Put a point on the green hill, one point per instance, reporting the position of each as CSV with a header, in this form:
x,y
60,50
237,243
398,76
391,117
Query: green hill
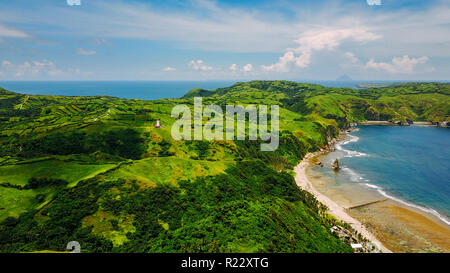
x,y
97,171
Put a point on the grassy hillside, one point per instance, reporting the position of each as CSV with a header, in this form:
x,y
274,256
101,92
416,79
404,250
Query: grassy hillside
x,y
95,170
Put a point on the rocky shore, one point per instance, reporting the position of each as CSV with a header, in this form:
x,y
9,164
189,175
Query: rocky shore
x,y
407,122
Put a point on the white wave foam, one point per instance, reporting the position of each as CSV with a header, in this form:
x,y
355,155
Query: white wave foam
x,y
355,177
351,138
425,209
349,153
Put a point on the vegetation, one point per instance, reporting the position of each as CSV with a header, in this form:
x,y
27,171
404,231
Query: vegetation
x,y
96,170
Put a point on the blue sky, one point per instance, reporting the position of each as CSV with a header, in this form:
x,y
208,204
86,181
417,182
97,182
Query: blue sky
x,y
224,40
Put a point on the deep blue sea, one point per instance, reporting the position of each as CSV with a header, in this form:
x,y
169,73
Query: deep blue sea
x,y
408,164
146,90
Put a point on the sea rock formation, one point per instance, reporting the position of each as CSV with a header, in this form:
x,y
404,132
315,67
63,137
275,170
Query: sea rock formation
x,y
336,166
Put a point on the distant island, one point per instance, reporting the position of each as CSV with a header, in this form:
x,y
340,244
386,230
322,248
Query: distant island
x,y
344,78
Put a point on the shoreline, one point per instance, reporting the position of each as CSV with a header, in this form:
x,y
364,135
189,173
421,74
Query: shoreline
x,y
443,124
391,225
334,209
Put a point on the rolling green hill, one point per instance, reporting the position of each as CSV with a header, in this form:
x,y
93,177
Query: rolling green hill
x,y
96,170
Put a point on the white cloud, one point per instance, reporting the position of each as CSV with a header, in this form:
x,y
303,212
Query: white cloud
x,y
11,32
283,65
34,68
199,65
253,32
399,65
235,28
247,68
169,69
351,57
74,2
374,2
317,40
82,51
100,41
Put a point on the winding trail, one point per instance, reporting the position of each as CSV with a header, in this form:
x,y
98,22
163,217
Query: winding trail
x,y
24,101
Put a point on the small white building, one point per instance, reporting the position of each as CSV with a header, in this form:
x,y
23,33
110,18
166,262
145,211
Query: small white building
x,y
157,125
356,246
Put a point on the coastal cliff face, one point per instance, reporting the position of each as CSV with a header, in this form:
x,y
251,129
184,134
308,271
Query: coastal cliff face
x,y
129,187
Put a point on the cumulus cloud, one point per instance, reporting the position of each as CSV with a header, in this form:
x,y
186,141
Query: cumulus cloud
x,y
82,51
247,68
416,32
374,2
399,65
74,2
283,65
317,40
199,65
31,68
11,32
169,69
233,67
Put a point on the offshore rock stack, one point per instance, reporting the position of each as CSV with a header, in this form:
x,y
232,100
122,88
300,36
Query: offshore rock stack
x,y
336,166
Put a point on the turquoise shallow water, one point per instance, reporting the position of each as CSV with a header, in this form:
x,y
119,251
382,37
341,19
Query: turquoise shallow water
x,y
408,164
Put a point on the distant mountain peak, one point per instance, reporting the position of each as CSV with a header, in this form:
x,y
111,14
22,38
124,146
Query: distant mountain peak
x,y
344,78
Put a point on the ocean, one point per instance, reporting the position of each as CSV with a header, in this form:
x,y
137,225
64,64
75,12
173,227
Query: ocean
x,y
145,90
407,164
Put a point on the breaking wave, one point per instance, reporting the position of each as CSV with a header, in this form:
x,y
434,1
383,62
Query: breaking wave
x,y
355,177
349,153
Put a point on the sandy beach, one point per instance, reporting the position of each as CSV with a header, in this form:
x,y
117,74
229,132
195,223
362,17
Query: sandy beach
x,y
333,208
391,225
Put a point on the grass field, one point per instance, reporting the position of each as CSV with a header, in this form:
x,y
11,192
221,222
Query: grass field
x,y
71,172
14,202
151,172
